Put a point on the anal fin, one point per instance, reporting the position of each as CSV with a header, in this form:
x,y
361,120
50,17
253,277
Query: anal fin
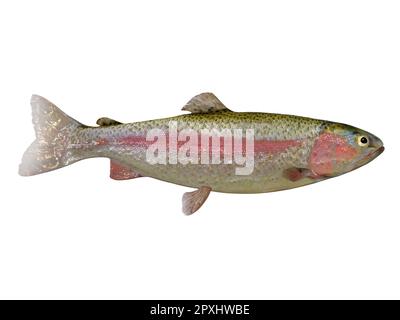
x,y
119,171
192,201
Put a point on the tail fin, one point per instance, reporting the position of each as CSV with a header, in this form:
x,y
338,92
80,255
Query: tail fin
x,y
53,133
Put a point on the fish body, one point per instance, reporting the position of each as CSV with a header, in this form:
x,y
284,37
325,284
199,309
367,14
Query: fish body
x,y
275,149
284,151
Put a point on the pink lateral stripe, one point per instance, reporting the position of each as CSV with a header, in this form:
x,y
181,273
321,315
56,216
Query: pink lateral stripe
x,y
275,146
263,145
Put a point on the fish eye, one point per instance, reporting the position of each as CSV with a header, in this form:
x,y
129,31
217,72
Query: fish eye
x,y
362,141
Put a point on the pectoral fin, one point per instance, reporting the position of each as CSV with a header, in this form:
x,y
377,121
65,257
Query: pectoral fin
x,y
118,171
295,174
204,103
104,122
192,201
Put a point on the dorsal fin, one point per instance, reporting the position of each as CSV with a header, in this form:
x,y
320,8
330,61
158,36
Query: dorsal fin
x,y
104,122
203,103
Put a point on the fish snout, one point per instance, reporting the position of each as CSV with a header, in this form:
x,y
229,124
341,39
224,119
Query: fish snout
x,y
375,148
376,143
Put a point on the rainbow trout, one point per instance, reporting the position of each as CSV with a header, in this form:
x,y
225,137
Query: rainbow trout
x,y
211,149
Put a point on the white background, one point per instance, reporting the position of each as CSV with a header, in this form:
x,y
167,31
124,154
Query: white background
x,y
75,233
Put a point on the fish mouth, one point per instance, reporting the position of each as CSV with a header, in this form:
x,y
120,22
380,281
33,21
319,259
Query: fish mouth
x,y
376,153
370,156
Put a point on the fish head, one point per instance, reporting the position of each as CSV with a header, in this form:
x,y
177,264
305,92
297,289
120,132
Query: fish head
x,y
341,148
